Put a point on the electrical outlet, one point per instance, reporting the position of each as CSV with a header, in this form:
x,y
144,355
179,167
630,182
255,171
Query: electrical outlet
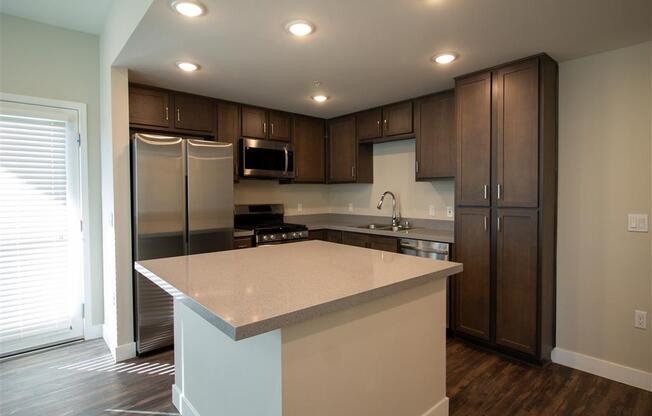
x,y
350,206
640,319
449,212
299,207
637,223
431,210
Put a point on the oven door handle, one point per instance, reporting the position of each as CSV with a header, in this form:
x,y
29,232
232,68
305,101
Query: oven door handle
x,y
285,149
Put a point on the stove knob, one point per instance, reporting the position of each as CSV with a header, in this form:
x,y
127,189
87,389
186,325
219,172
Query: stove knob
x,y
294,235
265,238
272,237
284,236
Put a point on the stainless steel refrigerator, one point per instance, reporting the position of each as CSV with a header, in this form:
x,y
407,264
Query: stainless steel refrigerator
x,y
182,203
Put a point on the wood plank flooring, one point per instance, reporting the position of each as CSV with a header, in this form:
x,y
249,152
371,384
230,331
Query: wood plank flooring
x,y
76,380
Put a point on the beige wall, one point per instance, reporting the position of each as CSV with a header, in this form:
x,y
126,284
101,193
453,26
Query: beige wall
x,y
393,171
49,62
605,159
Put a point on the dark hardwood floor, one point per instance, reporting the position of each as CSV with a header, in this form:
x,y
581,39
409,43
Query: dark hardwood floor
x,y
79,379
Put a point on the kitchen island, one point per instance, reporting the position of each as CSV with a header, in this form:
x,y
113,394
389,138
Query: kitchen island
x,y
307,328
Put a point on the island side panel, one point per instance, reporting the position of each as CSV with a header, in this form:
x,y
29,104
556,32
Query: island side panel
x,y
216,375
386,357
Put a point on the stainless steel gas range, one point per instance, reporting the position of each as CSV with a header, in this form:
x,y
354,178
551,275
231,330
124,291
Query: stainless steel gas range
x,y
266,222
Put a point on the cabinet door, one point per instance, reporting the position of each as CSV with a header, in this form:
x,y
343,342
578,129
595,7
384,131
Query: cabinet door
x,y
473,285
309,149
279,126
342,149
383,243
473,102
228,128
355,239
516,120
368,124
333,236
435,133
254,122
317,235
397,119
149,107
194,113
516,279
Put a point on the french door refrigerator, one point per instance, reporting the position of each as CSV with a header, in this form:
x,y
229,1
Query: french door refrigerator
x,y
182,203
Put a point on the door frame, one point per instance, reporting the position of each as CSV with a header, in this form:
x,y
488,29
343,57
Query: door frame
x,y
90,331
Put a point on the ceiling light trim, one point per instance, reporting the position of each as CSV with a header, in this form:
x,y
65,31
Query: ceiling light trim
x,y
187,66
445,58
300,28
194,8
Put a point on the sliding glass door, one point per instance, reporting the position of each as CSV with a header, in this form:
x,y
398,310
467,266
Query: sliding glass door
x,y
40,227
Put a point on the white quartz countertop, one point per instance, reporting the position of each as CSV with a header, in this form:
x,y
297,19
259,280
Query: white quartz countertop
x,y
256,290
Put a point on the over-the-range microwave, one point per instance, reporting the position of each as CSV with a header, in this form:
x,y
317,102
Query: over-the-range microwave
x,y
266,159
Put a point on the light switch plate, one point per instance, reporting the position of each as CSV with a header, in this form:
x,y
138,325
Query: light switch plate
x,y
299,207
431,210
640,319
637,223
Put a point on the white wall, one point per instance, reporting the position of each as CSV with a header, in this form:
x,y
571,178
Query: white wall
x,y
605,172
393,171
49,62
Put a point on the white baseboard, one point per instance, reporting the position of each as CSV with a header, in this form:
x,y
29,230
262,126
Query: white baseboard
x,y
124,352
607,369
183,406
93,332
440,409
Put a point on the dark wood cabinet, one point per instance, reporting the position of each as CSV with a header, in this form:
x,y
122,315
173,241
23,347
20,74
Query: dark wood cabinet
x,y
473,285
228,128
317,235
349,161
435,136
309,149
279,126
473,102
516,134
378,242
194,113
149,107
254,122
355,239
368,124
397,119
507,139
516,279
333,236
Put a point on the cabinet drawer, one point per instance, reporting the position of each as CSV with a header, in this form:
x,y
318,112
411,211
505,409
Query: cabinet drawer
x,y
242,242
355,239
383,243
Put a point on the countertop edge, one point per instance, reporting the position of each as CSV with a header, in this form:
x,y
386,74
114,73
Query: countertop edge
x,y
443,238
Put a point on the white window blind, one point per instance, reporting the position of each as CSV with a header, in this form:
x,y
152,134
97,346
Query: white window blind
x,y
39,228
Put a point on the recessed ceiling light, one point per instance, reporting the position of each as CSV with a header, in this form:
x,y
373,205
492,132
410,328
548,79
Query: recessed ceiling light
x,y
444,58
187,66
189,8
300,28
319,98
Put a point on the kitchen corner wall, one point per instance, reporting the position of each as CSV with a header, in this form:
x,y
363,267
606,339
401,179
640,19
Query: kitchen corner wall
x,y
604,272
393,171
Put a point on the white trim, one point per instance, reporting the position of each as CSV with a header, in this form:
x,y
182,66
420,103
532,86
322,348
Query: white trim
x,y
607,369
124,352
440,409
93,332
183,406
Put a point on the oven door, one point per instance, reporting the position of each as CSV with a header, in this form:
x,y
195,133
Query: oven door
x,y
266,159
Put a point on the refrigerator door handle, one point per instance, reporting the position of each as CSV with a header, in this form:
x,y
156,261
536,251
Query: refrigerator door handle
x,y
285,172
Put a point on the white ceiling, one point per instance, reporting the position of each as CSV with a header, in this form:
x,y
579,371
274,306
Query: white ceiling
x,y
81,15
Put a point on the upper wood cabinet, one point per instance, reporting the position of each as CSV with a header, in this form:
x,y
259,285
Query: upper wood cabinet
x,y
149,107
397,119
349,160
228,129
516,279
473,285
309,149
473,102
194,113
279,126
434,118
254,122
516,134
368,124
391,122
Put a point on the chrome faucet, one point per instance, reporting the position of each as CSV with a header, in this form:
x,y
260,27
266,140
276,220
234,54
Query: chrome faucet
x,y
396,218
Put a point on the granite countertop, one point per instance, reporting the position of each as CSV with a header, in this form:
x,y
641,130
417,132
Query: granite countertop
x,y
444,236
252,291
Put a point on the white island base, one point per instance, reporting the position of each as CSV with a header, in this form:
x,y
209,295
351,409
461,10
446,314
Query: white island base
x,y
384,357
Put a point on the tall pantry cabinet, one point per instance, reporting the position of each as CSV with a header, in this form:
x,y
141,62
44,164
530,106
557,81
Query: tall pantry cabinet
x,y
506,199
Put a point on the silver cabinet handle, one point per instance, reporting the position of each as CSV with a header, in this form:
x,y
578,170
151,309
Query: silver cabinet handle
x,y
178,115
385,123
499,193
485,190
286,161
272,124
498,225
264,127
485,223
167,113
417,167
353,171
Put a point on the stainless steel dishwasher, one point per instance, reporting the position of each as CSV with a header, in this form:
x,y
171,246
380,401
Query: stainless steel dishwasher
x,y
433,250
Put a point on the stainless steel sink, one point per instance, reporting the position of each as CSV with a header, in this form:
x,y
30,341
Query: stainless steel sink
x,y
384,227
